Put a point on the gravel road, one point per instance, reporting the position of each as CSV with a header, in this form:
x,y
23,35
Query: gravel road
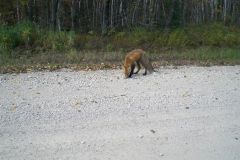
x,y
188,113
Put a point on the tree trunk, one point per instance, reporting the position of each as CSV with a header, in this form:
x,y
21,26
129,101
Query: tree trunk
x,y
58,14
18,11
72,14
225,11
170,16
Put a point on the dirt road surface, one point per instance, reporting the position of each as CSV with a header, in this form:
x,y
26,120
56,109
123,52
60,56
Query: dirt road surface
x,y
188,113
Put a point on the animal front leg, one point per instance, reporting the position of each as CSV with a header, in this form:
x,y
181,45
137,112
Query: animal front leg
x,y
132,69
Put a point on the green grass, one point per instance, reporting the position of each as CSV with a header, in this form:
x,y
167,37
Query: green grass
x,y
84,59
205,55
25,44
29,36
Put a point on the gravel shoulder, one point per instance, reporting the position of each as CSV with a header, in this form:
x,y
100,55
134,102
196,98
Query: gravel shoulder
x,y
184,113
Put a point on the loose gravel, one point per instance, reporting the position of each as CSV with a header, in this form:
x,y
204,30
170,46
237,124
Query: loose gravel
x,y
176,113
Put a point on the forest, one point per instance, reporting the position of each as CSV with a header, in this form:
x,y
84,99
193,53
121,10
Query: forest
x,y
172,27
101,15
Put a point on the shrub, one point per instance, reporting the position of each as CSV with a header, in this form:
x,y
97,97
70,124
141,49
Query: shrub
x,y
58,41
30,37
88,41
213,35
177,38
9,38
27,33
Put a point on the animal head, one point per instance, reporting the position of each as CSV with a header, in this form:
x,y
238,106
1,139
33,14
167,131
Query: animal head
x,y
126,70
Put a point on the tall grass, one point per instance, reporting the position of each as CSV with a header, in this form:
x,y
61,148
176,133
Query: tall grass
x,y
27,35
57,41
29,44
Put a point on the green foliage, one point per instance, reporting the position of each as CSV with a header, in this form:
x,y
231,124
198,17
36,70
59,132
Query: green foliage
x,y
58,41
27,33
212,54
88,41
190,36
142,36
138,38
213,35
4,55
21,34
27,38
177,38
109,47
9,38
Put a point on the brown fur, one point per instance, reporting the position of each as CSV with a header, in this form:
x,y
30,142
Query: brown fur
x,y
136,57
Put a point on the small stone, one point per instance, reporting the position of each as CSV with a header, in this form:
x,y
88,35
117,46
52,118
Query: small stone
x,y
185,76
187,107
161,154
153,131
83,142
94,101
236,138
141,136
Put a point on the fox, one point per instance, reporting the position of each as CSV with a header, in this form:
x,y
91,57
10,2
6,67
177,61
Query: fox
x,y
136,57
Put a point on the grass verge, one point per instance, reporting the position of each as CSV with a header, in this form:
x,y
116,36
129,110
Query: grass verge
x,y
26,46
92,60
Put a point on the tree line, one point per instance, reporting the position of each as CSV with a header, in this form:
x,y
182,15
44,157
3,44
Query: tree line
x,y
104,15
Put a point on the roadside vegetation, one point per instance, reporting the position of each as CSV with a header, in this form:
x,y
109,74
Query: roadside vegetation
x,y
25,46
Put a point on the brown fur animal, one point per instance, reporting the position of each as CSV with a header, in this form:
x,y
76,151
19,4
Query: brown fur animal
x,y
136,57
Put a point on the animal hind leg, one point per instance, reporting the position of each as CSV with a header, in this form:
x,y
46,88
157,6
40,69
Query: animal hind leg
x,y
145,73
145,66
139,67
